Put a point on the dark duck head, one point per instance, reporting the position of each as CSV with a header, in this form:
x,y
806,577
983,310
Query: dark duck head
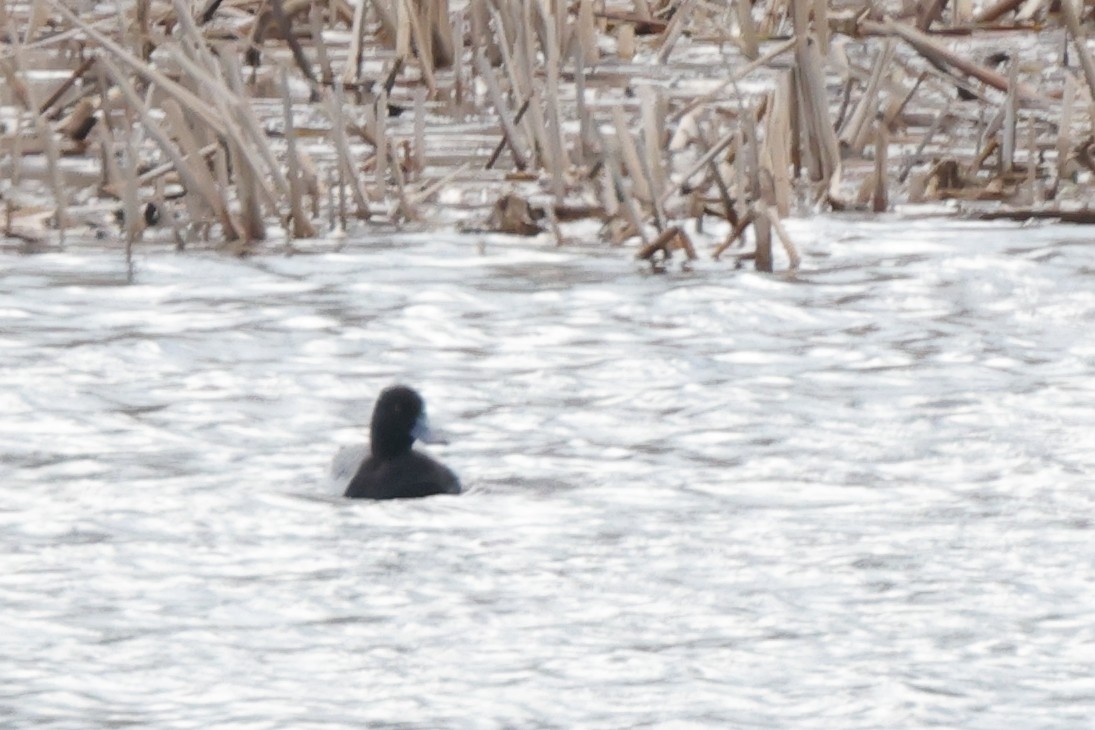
x,y
393,469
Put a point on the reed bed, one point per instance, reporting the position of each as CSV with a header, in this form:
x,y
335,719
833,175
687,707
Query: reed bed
x,y
252,125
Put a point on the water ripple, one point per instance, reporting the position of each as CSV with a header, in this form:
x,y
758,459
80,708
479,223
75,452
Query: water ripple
x,y
853,497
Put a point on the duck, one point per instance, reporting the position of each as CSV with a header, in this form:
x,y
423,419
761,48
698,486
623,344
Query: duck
x,y
393,469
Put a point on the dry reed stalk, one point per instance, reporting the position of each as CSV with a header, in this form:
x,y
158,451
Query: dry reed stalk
x,y
1033,189
144,29
629,154
508,46
247,196
251,129
995,12
856,132
879,197
821,25
422,43
585,147
937,53
673,32
929,12
183,95
553,225
281,19
194,174
459,75
419,130
254,163
443,182
383,148
554,131
747,29
716,93
48,142
302,226
813,97
130,203
440,32
528,65
509,125
936,125
620,190
502,143
340,185
351,73
670,239
1011,119
481,37
108,164
625,42
1029,10
794,260
762,232
653,108
735,234
700,164
404,208
895,108
777,140
774,15
758,194
75,76
729,213
315,25
586,36
1079,42
1064,132
36,18
333,102
191,165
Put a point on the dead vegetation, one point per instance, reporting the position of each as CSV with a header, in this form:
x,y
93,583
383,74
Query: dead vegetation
x,y
238,122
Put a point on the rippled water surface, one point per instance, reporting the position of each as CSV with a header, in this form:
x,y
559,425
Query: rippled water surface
x,y
855,497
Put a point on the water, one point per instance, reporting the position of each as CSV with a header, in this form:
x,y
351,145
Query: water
x,y
855,497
